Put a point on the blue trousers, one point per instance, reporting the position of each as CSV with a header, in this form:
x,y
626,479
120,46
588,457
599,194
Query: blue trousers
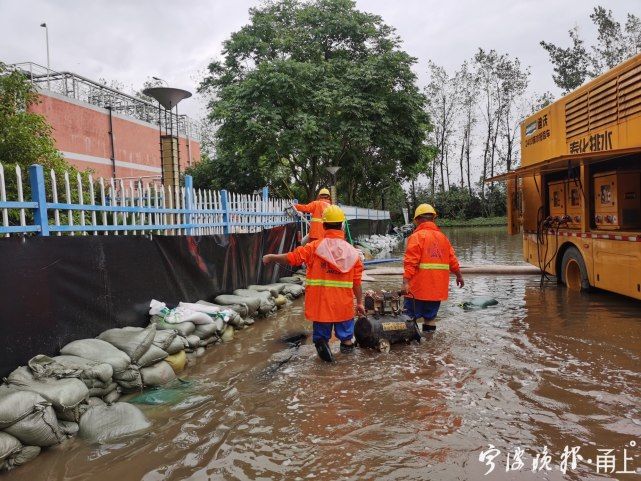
x,y
323,330
425,309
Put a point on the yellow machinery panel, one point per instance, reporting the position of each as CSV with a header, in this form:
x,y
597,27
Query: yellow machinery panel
x,y
573,204
556,198
617,200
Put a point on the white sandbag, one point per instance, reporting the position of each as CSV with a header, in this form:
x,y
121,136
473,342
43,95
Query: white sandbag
x,y
71,366
291,280
207,330
177,345
9,445
112,397
16,405
238,322
208,341
193,341
178,314
64,394
102,424
102,391
243,310
163,338
26,454
69,428
95,401
152,356
182,328
158,374
196,306
252,303
293,290
98,350
39,428
134,341
273,289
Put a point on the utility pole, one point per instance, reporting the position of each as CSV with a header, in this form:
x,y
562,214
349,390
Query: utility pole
x,y
48,59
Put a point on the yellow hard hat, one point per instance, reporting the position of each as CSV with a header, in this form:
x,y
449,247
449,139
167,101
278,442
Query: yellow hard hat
x,y
333,214
424,209
323,191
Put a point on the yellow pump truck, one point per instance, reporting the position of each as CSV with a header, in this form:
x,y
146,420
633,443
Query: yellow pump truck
x,y
577,196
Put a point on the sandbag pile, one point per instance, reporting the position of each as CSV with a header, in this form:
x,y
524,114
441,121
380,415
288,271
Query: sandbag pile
x,y
76,392
377,245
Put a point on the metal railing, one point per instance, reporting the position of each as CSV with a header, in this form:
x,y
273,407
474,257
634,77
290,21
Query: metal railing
x,y
47,204
80,88
83,206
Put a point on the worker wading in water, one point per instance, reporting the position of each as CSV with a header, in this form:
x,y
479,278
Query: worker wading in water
x,y
334,271
429,259
315,208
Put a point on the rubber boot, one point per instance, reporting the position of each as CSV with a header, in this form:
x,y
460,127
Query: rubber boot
x,y
347,348
323,350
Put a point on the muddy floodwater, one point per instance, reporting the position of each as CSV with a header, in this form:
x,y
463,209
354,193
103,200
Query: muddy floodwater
x,y
542,370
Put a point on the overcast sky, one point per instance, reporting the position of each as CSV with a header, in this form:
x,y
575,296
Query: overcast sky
x,y
129,41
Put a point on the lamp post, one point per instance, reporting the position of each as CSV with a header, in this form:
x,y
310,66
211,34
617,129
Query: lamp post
x,y
161,80
44,25
332,171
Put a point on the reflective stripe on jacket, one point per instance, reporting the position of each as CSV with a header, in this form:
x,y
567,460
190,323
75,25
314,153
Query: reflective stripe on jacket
x,y
429,259
329,296
315,208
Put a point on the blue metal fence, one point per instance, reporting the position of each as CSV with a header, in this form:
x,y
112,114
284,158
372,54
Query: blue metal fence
x,y
115,207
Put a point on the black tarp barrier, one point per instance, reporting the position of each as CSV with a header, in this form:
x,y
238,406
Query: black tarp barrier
x,y
57,289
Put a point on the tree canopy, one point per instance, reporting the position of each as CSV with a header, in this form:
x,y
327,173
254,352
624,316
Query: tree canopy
x,y
307,85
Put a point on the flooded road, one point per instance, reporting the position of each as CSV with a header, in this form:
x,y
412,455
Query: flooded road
x,y
544,369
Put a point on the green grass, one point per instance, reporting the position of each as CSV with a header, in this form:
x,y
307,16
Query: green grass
x,y
476,222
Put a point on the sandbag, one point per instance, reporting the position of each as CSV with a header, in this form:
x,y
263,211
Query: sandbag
x,y
112,397
64,394
250,293
134,341
71,366
177,361
17,404
480,302
200,307
9,445
98,350
240,309
102,424
273,289
179,314
130,379
208,341
207,330
252,303
39,428
280,301
152,356
291,280
237,322
158,374
228,334
163,338
182,328
95,401
294,290
246,322
102,391
26,454
193,341
69,428
177,345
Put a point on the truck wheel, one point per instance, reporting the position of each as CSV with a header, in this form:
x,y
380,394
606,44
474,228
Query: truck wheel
x,y
573,273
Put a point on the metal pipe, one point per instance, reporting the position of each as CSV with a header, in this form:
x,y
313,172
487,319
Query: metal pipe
x,y
111,140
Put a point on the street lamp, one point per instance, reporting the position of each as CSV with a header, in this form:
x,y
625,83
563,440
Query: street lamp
x,y
332,171
44,25
161,80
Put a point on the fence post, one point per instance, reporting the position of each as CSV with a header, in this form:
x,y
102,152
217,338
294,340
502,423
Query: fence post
x,y
38,195
225,207
189,202
265,219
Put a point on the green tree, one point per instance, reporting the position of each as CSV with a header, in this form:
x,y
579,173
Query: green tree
x,y
25,137
615,43
311,84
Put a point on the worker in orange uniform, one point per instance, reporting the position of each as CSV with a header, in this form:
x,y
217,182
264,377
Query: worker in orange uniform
x,y
316,208
429,259
334,271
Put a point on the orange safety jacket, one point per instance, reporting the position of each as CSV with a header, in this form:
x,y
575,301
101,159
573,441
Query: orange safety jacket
x,y
334,268
316,208
429,259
